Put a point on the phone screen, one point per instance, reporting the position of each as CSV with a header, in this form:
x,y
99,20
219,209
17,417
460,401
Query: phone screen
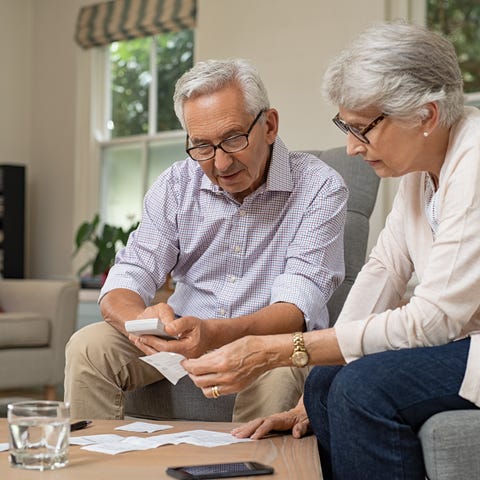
x,y
219,470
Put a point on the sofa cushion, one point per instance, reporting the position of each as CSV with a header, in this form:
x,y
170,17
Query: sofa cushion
x,y
183,401
19,329
451,442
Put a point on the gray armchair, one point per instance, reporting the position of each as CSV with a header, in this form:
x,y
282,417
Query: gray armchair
x,y
162,400
451,445
38,318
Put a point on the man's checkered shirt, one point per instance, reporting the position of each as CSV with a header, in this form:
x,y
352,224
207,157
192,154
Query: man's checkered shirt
x,y
284,243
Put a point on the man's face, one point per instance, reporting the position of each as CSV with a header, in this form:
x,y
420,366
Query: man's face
x,y
210,119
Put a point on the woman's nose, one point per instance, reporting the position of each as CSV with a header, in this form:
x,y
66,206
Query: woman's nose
x,y
354,145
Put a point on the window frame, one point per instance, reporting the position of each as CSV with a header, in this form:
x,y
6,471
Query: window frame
x,y
92,103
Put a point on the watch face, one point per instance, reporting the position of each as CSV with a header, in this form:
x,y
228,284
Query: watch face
x,y
300,359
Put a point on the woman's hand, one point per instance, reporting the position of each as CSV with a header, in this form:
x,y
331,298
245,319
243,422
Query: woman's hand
x,y
295,420
234,366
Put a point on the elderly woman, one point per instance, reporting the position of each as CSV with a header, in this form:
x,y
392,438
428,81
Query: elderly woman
x,y
388,366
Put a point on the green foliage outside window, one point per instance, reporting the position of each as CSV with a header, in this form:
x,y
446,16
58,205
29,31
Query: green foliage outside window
x,y
130,73
459,20
175,54
131,78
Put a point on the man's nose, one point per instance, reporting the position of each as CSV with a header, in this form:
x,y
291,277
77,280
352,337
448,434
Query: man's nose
x,y
222,160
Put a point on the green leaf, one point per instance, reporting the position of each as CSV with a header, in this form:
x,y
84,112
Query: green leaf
x,y
107,239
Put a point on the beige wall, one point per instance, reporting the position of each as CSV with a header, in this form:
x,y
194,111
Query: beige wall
x,y
37,121
15,83
15,73
45,86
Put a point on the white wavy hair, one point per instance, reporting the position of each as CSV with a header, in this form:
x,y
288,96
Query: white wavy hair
x,y
213,75
398,68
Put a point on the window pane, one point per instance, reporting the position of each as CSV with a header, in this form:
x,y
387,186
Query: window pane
x,y
175,57
128,169
162,154
122,185
130,73
459,20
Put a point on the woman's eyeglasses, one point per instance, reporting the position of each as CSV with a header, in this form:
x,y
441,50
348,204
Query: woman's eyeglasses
x,y
358,133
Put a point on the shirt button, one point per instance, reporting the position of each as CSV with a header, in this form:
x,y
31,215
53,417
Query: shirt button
x,y
242,213
231,278
221,311
237,249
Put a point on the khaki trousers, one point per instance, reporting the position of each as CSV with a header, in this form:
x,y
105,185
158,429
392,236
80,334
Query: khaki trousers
x,y
101,364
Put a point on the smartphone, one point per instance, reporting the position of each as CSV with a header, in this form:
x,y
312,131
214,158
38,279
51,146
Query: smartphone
x,y
148,326
219,470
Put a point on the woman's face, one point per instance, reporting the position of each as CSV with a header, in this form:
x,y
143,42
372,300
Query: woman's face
x,y
394,149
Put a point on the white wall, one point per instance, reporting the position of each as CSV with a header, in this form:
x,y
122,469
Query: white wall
x,y
45,86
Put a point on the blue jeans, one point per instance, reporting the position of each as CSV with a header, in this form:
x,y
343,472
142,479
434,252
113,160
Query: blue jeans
x,y
366,414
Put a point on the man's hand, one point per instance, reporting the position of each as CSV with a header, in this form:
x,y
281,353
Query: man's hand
x,y
163,311
295,420
234,366
192,332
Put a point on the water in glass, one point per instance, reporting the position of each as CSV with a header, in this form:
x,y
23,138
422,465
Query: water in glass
x,y
39,435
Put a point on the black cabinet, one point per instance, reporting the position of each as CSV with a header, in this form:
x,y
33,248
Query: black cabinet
x,y
12,221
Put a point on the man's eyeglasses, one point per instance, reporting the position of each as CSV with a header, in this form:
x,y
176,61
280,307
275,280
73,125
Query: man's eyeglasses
x,y
360,134
232,144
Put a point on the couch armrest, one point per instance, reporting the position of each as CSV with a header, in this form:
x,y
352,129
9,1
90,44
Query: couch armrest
x,y
451,445
55,299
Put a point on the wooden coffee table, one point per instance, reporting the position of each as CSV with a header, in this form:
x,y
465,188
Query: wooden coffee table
x,y
291,459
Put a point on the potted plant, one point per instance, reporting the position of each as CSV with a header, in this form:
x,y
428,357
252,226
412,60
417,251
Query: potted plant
x,y
104,240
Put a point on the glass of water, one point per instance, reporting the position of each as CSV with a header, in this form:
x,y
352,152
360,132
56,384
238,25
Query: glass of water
x,y
39,434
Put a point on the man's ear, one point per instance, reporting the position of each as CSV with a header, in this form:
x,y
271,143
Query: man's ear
x,y
271,125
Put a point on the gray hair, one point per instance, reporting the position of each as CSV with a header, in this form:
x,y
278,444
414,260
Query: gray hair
x,y
398,68
213,75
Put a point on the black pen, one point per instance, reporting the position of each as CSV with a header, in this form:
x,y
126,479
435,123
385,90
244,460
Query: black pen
x,y
80,425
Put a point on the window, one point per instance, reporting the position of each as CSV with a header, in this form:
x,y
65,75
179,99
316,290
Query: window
x,y
139,135
459,20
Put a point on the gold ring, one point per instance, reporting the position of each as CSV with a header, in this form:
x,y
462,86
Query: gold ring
x,y
215,392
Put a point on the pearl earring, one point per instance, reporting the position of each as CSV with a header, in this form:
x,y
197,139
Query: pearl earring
x,y
425,134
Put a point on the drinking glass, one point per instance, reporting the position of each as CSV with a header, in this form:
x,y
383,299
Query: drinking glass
x,y
39,434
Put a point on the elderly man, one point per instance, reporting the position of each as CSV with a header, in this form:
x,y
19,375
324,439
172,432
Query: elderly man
x,y
251,233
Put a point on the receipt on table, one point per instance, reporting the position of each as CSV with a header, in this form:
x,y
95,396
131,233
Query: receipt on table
x,y
143,427
94,439
168,364
115,444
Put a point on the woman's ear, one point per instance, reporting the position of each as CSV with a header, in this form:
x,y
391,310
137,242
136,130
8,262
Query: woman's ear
x,y
430,116
271,124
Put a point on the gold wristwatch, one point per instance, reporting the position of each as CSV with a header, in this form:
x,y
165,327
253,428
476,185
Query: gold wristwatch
x,y
300,355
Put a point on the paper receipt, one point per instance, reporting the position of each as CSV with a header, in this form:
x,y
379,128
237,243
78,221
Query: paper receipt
x,y
168,364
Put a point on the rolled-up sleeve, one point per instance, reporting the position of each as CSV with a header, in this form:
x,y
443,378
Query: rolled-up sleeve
x,y
315,261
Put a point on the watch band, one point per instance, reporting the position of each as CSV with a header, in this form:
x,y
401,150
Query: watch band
x,y
299,356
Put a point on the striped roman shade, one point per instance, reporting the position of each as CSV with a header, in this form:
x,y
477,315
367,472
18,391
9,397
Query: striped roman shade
x,y
107,22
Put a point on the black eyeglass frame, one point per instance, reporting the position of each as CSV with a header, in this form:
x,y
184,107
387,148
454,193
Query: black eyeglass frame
x,y
219,145
359,134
